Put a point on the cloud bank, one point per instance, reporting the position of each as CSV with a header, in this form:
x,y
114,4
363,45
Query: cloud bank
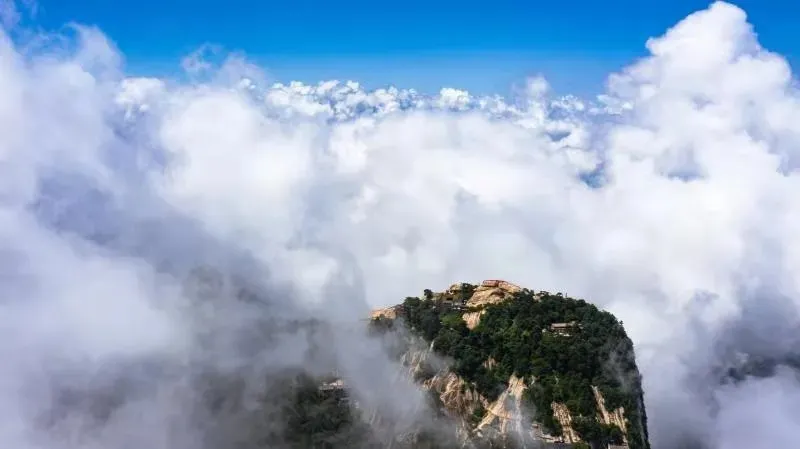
x,y
670,200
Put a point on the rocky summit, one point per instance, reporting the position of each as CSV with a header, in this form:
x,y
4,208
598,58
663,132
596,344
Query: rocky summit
x,y
516,368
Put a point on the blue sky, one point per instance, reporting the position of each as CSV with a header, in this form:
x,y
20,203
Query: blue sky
x,y
482,46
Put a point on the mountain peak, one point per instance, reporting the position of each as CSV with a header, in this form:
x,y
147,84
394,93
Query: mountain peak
x,y
524,368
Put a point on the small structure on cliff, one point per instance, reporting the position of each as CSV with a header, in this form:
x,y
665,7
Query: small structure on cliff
x,y
502,285
564,329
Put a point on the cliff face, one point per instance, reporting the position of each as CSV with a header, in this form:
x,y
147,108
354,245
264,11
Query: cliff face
x,y
524,369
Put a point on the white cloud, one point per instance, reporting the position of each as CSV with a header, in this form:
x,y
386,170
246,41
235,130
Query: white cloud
x,y
375,195
13,11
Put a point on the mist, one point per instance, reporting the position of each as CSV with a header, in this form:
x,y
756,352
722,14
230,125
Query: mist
x,y
154,232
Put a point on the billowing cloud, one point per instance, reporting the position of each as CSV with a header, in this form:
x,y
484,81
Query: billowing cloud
x,y
669,200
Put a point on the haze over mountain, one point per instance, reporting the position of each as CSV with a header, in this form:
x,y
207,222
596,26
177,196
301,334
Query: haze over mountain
x,y
670,201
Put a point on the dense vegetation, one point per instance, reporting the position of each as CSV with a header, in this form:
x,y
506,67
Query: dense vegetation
x,y
325,419
517,336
